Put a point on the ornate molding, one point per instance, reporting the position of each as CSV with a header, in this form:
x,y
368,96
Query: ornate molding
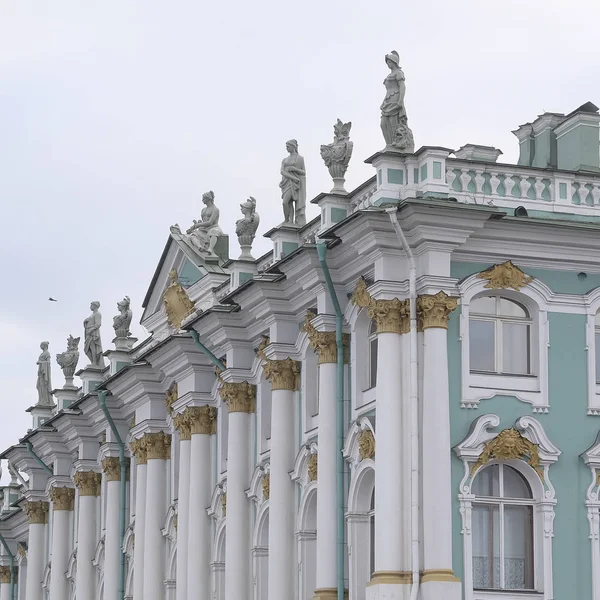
x,y
266,486
283,374
138,449
177,303
366,444
171,397
201,419
112,470
37,512
313,467
240,397
5,574
182,423
391,316
62,498
21,550
323,342
505,275
224,503
433,310
87,482
157,445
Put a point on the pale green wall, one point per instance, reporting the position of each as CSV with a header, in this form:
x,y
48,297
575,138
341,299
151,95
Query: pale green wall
x,y
567,425
579,148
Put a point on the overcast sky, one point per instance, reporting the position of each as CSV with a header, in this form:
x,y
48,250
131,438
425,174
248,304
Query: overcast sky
x,y
115,116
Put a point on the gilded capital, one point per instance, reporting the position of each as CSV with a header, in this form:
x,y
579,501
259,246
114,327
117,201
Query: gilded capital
x,y
283,374
168,438
112,469
201,419
157,445
138,449
434,309
240,397
313,465
37,512
62,498
183,425
87,482
5,574
391,316
171,397
323,342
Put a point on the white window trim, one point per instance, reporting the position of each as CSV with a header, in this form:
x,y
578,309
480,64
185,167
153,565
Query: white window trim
x,y
531,389
544,494
592,501
592,301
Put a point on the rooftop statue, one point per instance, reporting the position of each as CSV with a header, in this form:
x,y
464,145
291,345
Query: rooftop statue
x,y
44,380
92,345
68,360
122,321
394,122
293,186
203,235
246,228
337,155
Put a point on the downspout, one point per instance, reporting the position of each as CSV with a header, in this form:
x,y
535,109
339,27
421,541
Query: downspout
x,y
123,500
206,351
322,250
11,558
414,402
38,459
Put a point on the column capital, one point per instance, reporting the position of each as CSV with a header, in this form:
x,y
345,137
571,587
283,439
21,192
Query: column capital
x,y
202,419
37,512
240,397
112,468
283,374
87,482
138,449
323,342
5,574
158,445
433,310
171,397
62,498
391,316
182,423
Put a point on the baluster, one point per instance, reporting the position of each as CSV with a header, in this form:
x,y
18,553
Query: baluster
x,y
450,177
551,191
509,184
583,193
479,181
596,193
524,186
539,188
494,183
465,179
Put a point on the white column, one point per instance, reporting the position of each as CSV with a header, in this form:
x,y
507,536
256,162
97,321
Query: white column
x,y
241,398
88,485
5,583
37,514
138,447
183,506
201,420
156,494
438,579
112,540
282,570
62,503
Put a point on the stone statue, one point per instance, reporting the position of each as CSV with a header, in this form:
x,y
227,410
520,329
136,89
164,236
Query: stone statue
x,y
246,228
394,122
92,345
293,186
44,380
122,321
68,360
337,155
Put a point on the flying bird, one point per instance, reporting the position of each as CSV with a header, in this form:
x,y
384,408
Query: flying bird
x,y
51,299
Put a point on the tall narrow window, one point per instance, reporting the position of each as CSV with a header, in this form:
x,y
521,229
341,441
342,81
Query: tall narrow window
x,y
499,337
372,534
373,355
597,337
502,525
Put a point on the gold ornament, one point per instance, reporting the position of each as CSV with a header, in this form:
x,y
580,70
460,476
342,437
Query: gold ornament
x,y
366,444
260,351
224,503
433,310
391,316
178,305
506,275
313,462
138,449
201,419
5,574
323,342
62,498
132,423
507,445
283,374
87,482
21,551
240,397
37,512
266,486
156,445
183,425
171,397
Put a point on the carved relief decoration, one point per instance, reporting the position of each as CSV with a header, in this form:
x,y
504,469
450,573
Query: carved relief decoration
x,y
283,374
240,397
138,449
391,316
260,351
507,445
5,574
37,512
323,342
433,310
201,419
178,305
171,397
157,445
224,503
506,275
366,444
111,468
266,486
87,482
183,425
62,498
21,550
312,462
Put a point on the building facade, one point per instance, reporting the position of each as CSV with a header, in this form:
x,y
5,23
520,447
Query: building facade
x,y
401,400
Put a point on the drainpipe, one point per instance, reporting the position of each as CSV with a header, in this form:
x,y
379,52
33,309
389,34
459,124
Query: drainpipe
x,y
205,350
38,459
414,402
322,250
11,558
123,501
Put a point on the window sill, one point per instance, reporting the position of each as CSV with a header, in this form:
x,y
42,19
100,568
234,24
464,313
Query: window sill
x,y
366,397
526,388
506,595
524,383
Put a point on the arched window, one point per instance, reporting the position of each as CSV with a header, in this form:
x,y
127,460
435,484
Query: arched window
x,y
503,530
499,336
373,354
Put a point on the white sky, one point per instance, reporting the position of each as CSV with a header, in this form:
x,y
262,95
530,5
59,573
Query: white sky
x,y
115,116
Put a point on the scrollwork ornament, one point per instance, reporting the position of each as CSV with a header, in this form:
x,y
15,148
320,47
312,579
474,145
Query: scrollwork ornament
x,y
182,423
224,503
171,397
62,498
391,316
366,444
138,449
240,397
201,419
283,374
87,482
504,276
324,342
313,467
434,310
266,486
37,512
157,445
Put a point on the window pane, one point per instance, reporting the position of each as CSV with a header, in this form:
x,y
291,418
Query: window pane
x,y
373,362
482,345
486,546
598,357
515,341
518,547
486,305
372,543
597,318
508,308
487,482
515,485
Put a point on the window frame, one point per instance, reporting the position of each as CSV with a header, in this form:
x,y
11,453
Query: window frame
x,y
372,343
